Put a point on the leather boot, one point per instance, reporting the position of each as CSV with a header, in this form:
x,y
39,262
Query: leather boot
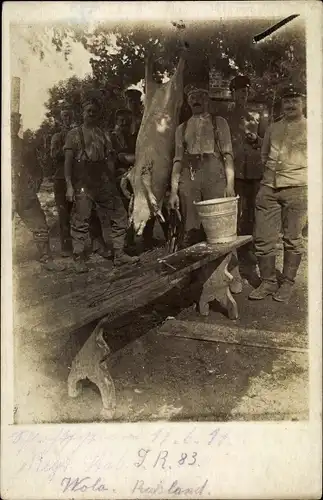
x,y
80,265
291,264
121,258
269,283
46,258
66,248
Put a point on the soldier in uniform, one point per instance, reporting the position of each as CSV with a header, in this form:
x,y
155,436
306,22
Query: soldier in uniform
x,y
64,207
247,133
133,102
282,197
203,166
25,201
90,183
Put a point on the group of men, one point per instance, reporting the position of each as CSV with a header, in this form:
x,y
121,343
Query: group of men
x,y
215,157
266,165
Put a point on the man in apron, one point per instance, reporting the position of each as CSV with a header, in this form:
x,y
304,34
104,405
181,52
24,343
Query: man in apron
x,y
89,174
282,197
247,132
203,166
25,201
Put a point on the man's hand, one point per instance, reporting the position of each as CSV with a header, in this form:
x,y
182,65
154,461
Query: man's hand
x,y
70,193
251,137
124,182
173,201
229,192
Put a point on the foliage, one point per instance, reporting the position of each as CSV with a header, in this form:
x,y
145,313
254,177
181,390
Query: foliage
x,y
119,51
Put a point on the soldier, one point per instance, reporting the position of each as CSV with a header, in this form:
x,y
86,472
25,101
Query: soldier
x,y
90,183
282,198
247,133
124,145
25,200
203,166
64,206
133,102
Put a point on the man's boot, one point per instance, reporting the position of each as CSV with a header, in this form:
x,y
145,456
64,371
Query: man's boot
x,y
46,258
291,264
66,248
269,283
80,265
121,258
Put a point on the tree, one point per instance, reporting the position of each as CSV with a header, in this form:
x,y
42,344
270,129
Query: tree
x,y
118,58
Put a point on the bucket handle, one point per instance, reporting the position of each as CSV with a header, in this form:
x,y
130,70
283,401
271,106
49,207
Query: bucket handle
x,y
234,198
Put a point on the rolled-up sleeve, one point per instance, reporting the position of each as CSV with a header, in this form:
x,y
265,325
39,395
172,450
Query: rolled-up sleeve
x,y
179,148
71,141
224,135
265,148
56,147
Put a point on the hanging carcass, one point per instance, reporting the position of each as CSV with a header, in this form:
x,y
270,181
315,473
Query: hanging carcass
x,y
155,144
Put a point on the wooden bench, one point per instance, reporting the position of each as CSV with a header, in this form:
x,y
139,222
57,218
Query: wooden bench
x,y
208,267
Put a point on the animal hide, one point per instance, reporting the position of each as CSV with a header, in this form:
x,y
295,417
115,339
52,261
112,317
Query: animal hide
x,y
150,176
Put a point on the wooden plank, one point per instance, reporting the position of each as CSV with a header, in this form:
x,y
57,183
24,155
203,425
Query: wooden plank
x,y
233,335
117,295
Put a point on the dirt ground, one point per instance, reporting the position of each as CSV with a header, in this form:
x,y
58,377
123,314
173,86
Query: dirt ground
x,y
158,376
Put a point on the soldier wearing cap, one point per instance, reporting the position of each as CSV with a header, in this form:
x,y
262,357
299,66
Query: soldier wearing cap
x,y
64,207
247,132
133,102
203,165
282,198
25,200
90,183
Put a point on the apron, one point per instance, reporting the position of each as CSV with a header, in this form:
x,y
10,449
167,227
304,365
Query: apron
x,y
202,178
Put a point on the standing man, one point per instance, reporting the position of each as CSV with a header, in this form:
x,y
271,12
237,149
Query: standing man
x,y
25,200
282,198
90,183
203,166
247,133
124,145
133,102
64,206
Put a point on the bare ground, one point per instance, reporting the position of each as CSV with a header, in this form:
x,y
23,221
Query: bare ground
x,y
157,376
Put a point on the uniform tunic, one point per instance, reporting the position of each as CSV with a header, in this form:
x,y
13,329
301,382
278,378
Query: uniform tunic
x,y
282,198
64,207
95,187
247,164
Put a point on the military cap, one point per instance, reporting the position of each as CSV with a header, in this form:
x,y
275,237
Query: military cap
x,y
240,82
200,87
65,106
122,112
133,94
292,90
91,97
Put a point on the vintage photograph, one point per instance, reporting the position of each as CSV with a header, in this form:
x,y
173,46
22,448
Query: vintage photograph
x,y
159,220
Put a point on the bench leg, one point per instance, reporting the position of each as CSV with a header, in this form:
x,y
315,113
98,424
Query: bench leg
x,y
215,279
90,363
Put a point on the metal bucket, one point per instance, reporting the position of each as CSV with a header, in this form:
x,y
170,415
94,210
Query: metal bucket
x,y
219,218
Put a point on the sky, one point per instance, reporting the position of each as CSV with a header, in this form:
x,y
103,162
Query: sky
x,y
37,77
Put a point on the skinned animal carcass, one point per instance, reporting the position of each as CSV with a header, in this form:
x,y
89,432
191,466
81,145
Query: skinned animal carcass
x,y
151,174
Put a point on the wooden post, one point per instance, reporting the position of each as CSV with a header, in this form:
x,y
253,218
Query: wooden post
x,y
15,94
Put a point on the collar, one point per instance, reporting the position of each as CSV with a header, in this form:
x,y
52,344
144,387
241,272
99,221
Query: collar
x,y
202,116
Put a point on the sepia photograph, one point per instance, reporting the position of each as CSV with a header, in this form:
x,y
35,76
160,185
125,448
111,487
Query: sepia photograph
x,y
159,220
161,277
